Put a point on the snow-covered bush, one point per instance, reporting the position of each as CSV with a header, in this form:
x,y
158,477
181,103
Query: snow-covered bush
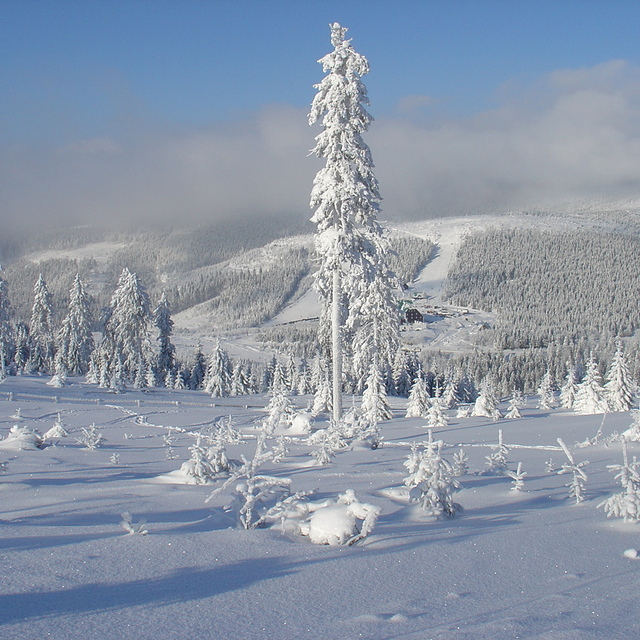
x,y
205,463
578,476
432,481
256,496
22,439
515,404
436,418
518,477
280,413
132,528
91,438
496,461
344,521
632,434
626,504
56,432
486,404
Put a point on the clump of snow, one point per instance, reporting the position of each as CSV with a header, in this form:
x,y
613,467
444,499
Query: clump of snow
x,y
337,523
301,423
22,438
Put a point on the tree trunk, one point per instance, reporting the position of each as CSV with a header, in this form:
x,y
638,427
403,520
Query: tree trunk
x,y
336,345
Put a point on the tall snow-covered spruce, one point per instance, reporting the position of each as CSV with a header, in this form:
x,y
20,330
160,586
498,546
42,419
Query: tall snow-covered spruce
x,y
349,239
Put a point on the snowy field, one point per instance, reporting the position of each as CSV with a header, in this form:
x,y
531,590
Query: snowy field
x,y
516,564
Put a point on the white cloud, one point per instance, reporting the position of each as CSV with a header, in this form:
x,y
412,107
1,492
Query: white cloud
x,y
575,133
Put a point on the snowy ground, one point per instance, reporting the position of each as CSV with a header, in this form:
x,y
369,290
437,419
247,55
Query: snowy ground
x,y
516,564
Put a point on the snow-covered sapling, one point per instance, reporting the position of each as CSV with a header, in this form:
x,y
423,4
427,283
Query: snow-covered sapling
x,y
496,461
518,477
253,491
546,392
578,476
91,438
168,440
418,403
130,527
431,480
515,404
205,464
436,418
460,463
632,434
626,504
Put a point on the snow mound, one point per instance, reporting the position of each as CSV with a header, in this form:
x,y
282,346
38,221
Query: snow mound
x,y
21,439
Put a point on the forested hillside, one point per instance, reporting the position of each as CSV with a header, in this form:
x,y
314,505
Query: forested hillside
x,y
550,286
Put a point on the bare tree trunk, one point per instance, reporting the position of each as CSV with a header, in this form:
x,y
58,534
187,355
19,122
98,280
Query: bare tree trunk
x,y
336,345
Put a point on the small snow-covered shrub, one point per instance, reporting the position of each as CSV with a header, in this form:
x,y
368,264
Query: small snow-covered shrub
x,y
280,413
130,527
431,480
578,476
205,463
91,438
460,463
344,521
632,434
518,477
255,495
496,461
22,438
626,504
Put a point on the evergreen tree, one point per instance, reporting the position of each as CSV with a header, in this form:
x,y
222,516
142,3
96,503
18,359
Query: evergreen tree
x,y
5,327
75,340
569,388
42,344
375,407
167,352
418,403
545,392
619,387
590,397
218,380
436,419
515,404
125,340
198,369
346,199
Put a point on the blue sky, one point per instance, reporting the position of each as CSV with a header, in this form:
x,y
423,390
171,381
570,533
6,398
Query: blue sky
x,y
94,93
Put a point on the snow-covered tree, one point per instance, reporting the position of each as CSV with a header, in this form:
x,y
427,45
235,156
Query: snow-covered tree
x,y
436,418
515,404
486,404
198,369
546,392
346,199
5,326
590,397
578,476
432,481
419,402
625,505
164,324
619,387
75,339
40,329
218,379
569,389
126,345
375,407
